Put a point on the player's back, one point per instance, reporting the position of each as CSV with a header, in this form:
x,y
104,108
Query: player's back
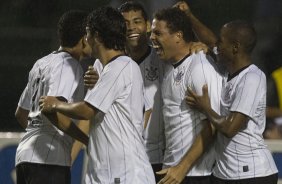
x,y
56,74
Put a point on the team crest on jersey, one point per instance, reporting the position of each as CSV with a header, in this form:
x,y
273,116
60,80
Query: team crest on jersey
x,y
178,77
151,73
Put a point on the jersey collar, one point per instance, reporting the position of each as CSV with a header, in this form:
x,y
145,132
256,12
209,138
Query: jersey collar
x,y
175,65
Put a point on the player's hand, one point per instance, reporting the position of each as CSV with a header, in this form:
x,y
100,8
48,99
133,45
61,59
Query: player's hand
x,y
48,104
183,6
200,103
198,46
173,175
90,78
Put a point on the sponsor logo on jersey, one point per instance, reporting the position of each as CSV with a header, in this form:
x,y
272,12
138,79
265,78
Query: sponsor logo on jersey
x,y
178,77
151,73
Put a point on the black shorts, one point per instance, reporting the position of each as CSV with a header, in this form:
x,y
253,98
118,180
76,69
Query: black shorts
x,y
156,168
272,179
32,173
197,180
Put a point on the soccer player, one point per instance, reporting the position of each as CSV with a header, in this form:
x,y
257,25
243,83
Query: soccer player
x,y
138,27
114,106
138,48
172,39
241,155
43,154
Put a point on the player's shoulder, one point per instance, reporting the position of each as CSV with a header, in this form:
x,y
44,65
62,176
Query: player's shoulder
x,y
65,57
42,62
252,76
254,73
124,62
200,58
202,61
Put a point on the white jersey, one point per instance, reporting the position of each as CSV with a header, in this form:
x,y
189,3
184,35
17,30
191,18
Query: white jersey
x,y
116,146
152,72
57,74
245,155
183,124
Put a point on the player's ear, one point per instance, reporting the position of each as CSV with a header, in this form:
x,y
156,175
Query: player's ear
x,y
83,41
179,36
97,38
235,47
148,26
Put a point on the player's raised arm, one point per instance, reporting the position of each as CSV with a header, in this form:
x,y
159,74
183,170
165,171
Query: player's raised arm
x,y
202,32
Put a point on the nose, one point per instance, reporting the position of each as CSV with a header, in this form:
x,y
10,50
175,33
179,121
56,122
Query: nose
x,y
130,26
152,36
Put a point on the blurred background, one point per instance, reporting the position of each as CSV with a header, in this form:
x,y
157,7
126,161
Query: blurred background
x,y
28,32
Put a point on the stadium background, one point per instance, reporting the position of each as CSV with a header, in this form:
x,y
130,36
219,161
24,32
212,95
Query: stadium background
x,y
28,32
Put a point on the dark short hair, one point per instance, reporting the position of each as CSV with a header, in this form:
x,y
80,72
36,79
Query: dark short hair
x,y
176,20
71,27
110,26
133,6
243,32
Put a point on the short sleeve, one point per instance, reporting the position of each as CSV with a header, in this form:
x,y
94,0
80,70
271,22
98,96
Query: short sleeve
x,y
108,88
205,73
65,78
249,92
25,99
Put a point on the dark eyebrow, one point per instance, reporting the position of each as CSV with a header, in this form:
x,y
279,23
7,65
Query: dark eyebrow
x,y
137,18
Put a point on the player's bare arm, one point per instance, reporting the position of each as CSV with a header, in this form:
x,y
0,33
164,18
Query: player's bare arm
x,y
273,112
228,125
66,125
147,115
21,116
177,173
84,126
90,78
203,33
79,110
197,47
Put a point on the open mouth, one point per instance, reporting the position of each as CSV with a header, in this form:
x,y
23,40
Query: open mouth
x,y
133,36
157,48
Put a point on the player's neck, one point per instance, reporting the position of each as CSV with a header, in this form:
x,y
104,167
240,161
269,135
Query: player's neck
x,y
181,53
107,56
71,51
140,54
137,52
240,62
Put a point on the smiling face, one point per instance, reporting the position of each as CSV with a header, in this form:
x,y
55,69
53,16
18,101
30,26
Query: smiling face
x,y
163,41
225,47
136,25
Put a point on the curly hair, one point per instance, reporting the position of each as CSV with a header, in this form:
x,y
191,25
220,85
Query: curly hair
x,y
71,27
176,20
133,6
110,26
